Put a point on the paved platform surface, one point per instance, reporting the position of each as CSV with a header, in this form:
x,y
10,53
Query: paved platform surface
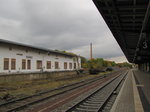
x,y
143,85
129,98
125,100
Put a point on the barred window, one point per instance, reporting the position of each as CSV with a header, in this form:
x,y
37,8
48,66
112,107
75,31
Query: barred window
x,y
6,63
13,64
56,65
70,65
39,64
28,64
75,66
65,65
23,64
48,64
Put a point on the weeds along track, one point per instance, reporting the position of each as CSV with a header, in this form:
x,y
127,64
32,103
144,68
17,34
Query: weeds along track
x,y
97,101
25,102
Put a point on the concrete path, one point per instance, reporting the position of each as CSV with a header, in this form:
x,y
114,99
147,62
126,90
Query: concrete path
x,y
143,85
128,99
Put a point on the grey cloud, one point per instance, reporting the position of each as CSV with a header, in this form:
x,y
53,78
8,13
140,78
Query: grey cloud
x,y
57,24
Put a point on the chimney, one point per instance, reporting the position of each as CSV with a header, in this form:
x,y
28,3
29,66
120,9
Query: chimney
x,y
91,51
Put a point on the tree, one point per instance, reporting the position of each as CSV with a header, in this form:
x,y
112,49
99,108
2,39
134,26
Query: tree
x,y
84,63
95,63
100,62
124,64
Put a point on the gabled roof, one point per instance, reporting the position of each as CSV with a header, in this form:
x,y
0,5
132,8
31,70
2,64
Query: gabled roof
x,y
34,47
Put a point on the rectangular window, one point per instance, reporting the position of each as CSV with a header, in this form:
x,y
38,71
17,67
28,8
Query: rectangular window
x,y
56,65
70,65
39,64
6,63
23,64
65,65
74,65
13,64
48,64
28,64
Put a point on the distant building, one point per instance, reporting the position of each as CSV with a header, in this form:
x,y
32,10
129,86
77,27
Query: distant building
x,y
21,58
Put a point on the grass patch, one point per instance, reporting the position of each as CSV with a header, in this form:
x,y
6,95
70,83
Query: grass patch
x,y
30,87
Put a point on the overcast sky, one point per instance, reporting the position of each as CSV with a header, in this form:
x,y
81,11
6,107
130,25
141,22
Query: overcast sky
x,y
58,24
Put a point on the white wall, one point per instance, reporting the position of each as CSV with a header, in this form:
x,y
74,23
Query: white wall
x,y
34,55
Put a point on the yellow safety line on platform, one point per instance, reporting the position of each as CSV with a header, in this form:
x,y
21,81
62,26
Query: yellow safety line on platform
x,y
139,85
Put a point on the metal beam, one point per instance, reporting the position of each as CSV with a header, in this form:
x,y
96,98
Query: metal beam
x,y
146,18
122,42
127,7
129,20
131,31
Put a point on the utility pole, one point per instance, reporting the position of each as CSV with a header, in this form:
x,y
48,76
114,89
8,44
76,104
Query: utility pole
x,y
91,57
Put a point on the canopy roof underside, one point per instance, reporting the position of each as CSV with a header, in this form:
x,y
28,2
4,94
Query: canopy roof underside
x,y
129,22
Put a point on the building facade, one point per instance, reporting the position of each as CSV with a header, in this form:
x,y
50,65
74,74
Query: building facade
x,y
21,58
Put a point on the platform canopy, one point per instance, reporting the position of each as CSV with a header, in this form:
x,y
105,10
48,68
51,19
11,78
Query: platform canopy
x,y
129,22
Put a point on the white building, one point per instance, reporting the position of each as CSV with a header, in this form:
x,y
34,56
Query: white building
x,y
21,58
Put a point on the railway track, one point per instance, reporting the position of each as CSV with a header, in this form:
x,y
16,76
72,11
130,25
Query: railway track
x,y
22,103
98,100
